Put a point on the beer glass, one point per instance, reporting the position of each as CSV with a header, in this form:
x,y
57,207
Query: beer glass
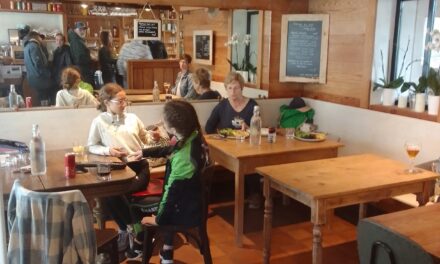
x,y
412,148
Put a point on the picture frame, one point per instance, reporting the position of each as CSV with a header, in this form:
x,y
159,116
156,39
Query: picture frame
x,y
304,47
147,29
203,47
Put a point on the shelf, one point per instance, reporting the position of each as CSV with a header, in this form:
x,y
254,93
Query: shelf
x,y
30,11
403,112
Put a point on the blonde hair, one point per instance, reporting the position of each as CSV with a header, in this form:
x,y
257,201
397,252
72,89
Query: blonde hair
x,y
70,78
234,76
106,93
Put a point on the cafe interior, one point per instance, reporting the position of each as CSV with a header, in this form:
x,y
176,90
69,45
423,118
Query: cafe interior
x,y
369,69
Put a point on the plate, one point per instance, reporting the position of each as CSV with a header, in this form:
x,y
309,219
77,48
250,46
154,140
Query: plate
x,y
233,134
312,139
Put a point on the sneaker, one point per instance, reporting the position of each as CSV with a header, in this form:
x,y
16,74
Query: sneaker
x,y
166,256
122,240
254,201
132,254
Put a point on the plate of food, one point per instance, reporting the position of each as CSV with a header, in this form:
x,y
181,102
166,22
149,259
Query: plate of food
x,y
310,136
232,133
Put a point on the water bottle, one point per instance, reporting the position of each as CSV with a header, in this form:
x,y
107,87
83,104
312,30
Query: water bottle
x,y
255,129
156,92
37,153
98,79
13,98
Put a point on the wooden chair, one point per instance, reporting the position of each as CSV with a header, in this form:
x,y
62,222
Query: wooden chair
x,y
201,237
60,225
378,244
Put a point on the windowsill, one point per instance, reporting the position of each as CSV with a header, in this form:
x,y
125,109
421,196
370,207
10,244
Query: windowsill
x,y
403,112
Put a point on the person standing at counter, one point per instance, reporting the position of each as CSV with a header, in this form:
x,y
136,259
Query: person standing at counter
x,y
61,59
37,68
133,50
106,60
184,85
80,52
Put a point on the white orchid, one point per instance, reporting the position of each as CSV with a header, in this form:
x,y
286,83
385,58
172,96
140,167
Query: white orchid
x,y
235,41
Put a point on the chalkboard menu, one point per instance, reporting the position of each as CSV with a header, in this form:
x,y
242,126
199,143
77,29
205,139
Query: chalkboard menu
x,y
304,48
147,29
203,46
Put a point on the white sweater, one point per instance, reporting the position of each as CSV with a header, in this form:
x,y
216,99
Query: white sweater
x,y
107,132
75,97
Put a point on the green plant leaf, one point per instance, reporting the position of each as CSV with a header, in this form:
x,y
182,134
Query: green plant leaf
x,y
406,86
396,83
434,81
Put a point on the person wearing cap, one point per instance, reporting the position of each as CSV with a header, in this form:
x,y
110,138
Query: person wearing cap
x,y
296,113
80,52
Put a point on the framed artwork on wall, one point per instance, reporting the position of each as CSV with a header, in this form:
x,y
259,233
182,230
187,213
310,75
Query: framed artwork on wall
x,y
203,47
304,44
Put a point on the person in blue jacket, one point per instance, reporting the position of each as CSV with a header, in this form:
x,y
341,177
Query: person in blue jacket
x,y
181,202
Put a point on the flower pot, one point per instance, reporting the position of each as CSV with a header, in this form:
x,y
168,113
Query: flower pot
x,y
420,103
388,96
403,101
245,75
433,102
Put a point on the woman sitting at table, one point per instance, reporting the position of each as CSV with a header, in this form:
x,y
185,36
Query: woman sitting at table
x,y
181,202
236,112
119,134
184,84
233,112
202,85
71,94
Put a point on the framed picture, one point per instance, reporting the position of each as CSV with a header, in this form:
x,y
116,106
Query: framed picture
x,y
203,46
304,44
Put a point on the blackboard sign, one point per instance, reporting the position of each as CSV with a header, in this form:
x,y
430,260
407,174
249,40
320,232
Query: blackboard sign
x,y
304,48
147,29
203,46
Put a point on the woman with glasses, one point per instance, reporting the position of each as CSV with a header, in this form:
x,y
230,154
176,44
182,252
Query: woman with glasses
x,y
119,134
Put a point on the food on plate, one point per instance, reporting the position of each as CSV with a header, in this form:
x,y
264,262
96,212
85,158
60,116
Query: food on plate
x,y
230,132
309,135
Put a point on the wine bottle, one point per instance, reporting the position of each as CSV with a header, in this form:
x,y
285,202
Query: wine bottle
x,y
255,129
156,92
37,153
13,97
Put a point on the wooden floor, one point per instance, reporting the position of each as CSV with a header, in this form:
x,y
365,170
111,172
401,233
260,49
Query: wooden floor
x,y
290,244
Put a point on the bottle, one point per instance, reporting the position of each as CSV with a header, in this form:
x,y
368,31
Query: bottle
x,y
255,129
13,98
156,92
37,151
115,32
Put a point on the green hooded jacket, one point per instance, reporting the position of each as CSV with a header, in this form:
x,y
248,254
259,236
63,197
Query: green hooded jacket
x,y
293,118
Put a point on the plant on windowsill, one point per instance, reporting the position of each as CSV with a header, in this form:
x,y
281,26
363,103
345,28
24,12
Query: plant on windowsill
x,y
243,66
434,91
419,91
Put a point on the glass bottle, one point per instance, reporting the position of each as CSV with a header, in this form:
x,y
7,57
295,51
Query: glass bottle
x,y
156,92
13,97
255,129
37,152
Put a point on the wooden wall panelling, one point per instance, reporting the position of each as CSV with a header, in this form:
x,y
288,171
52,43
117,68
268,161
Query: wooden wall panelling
x,y
351,40
143,73
219,24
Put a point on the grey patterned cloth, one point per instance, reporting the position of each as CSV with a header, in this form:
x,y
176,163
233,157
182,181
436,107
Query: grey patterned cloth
x,y
49,227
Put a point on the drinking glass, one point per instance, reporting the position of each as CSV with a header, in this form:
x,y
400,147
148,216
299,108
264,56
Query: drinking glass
x,y
79,150
103,171
412,148
290,133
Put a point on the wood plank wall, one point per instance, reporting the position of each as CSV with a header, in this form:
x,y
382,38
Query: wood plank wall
x,y
219,24
350,53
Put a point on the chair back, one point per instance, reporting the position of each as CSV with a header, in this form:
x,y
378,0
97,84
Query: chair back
x,y
49,227
206,181
378,244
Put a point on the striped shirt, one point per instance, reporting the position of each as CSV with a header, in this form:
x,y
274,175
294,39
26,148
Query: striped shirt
x,y
133,50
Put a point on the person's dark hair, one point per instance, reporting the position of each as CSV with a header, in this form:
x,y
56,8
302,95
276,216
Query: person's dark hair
x,y
186,57
105,38
106,93
182,116
61,35
70,78
201,76
22,32
33,35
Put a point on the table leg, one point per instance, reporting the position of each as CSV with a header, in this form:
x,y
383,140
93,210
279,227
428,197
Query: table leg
x,y
267,228
362,210
317,244
239,206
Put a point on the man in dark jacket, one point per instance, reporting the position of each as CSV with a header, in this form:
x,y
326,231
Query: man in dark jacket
x,y
61,59
37,68
80,52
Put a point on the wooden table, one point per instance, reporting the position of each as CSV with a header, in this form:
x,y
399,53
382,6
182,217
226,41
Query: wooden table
x,y
422,227
331,183
138,91
142,98
242,158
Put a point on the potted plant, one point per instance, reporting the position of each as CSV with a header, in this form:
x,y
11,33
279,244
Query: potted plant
x,y
242,66
419,90
434,91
